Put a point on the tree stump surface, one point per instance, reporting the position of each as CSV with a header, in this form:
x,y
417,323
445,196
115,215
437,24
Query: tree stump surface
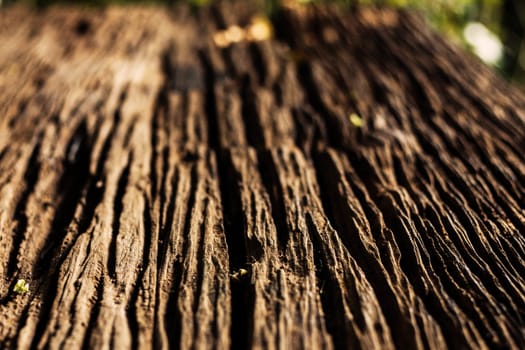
x,y
353,182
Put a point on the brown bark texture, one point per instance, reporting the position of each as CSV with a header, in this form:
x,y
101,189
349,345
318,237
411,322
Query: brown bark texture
x,y
354,182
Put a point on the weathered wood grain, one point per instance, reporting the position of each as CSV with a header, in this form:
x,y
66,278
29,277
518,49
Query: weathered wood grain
x,y
159,190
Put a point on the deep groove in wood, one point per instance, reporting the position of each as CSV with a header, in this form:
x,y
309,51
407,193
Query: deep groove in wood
x,y
353,182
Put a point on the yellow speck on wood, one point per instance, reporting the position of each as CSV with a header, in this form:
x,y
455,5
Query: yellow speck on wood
x,y
21,287
356,120
241,273
259,29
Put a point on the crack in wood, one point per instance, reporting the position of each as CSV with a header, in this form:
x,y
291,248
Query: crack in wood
x,y
160,191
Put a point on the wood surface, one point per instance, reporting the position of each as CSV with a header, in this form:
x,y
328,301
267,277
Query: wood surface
x,y
158,190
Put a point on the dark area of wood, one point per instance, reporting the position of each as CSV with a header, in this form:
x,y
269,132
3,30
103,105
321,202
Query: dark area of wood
x,y
159,191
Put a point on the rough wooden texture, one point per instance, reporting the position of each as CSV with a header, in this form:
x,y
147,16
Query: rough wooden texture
x,y
159,191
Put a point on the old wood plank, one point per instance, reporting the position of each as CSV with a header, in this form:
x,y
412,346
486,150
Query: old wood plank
x,y
353,182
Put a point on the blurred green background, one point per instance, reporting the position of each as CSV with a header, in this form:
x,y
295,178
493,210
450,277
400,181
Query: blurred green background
x,y
494,30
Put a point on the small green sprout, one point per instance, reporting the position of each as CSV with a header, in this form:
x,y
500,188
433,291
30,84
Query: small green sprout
x,y
21,287
240,274
356,120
